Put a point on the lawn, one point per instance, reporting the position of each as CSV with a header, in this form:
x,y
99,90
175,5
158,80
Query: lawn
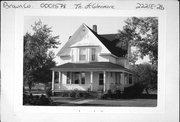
x,y
61,101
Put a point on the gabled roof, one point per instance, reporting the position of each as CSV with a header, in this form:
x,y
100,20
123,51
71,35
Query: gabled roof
x,y
92,66
110,41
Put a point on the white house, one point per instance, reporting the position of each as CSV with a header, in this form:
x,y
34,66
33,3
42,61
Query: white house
x,y
89,61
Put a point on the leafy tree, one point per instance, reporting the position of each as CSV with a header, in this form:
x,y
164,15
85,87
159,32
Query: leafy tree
x,y
147,75
142,33
37,57
133,57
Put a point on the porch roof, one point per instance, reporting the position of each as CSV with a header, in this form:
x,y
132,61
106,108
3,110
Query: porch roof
x,y
92,66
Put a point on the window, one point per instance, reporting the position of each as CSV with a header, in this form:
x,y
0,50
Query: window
x,y
93,54
116,78
68,78
79,78
101,79
82,78
125,78
130,79
82,54
56,77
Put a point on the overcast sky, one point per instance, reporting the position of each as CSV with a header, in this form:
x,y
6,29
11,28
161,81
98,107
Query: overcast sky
x,y
65,26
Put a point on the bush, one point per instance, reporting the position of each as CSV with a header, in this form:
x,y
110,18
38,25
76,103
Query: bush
x,y
36,100
72,93
134,90
115,94
49,91
75,93
104,96
65,94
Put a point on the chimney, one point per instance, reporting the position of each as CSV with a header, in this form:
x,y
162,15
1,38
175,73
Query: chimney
x,y
95,28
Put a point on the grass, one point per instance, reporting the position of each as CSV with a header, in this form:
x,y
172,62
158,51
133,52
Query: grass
x,y
107,102
143,100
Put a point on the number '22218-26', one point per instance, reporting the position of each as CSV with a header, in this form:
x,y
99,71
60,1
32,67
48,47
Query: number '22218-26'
x,y
150,6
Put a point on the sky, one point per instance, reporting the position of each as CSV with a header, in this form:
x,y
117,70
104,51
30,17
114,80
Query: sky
x,y
65,26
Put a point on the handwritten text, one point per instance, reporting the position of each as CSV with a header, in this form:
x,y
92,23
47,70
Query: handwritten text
x,y
52,5
8,6
93,6
150,6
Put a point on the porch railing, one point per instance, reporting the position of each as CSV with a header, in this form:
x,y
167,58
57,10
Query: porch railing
x,y
82,87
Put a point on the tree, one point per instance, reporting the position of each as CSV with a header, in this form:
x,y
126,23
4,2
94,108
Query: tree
x,y
37,58
142,33
147,75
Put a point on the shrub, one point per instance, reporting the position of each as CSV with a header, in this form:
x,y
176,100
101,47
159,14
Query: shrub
x,y
49,91
115,94
104,96
36,100
25,99
72,93
65,94
134,90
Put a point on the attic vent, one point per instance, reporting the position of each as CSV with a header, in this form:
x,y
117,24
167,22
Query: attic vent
x,y
84,30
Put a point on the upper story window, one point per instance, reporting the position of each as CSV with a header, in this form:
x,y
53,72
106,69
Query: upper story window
x,y
93,54
82,54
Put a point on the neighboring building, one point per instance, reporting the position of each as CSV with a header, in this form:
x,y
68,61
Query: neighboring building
x,y
89,61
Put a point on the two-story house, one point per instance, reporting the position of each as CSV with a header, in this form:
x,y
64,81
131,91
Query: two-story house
x,y
90,61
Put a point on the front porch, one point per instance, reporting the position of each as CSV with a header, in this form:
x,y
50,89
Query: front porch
x,y
93,76
90,80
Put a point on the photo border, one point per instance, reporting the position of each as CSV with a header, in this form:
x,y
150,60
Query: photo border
x,y
18,76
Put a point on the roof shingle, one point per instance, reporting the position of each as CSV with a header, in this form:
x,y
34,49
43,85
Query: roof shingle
x,y
89,66
110,42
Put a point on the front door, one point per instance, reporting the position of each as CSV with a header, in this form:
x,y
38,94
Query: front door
x,y
101,82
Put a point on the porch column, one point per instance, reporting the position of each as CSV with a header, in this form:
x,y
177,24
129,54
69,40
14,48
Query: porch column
x,y
104,88
59,80
122,81
52,82
91,80
123,78
71,75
